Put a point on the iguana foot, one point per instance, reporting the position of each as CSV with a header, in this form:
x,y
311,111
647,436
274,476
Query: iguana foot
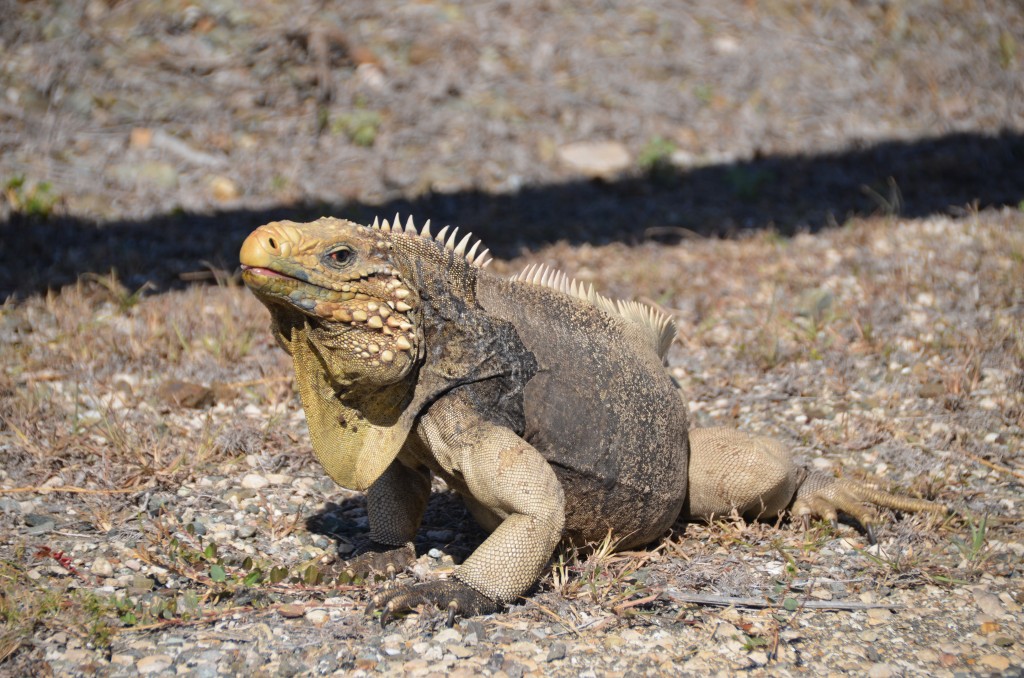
x,y
824,496
381,559
448,594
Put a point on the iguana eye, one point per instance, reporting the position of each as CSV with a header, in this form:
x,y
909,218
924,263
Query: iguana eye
x,y
340,257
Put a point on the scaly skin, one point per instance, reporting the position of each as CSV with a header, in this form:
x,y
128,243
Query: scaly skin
x,y
543,404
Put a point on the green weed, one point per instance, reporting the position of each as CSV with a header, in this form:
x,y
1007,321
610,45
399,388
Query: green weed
x,y
32,199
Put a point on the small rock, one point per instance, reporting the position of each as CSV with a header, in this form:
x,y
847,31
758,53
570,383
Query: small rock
x,y
881,670
318,617
239,493
448,636
366,663
987,602
34,519
101,567
995,662
759,657
8,505
725,44
140,137
879,615
933,389
556,652
291,611
254,481
185,394
142,583
153,663
597,158
122,659
41,528
224,189
246,532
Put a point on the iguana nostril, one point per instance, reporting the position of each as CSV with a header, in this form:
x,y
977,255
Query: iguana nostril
x,y
272,243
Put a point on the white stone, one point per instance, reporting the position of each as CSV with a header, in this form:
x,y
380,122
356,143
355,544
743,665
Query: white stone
x,y
596,158
101,567
254,481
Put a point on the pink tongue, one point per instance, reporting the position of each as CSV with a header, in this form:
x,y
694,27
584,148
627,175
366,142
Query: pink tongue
x,y
259,270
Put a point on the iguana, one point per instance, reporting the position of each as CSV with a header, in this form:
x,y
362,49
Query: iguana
x,y
544,404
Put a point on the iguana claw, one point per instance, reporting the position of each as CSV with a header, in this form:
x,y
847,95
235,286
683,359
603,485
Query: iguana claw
x,y
449,594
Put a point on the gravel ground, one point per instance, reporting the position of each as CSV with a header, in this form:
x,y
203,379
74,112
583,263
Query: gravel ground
x,y
825,195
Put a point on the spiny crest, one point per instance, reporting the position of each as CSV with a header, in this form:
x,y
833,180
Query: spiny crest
x,y
450,242
660,325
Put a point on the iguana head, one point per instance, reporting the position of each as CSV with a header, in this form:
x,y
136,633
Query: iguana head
x,y
338,280
345,302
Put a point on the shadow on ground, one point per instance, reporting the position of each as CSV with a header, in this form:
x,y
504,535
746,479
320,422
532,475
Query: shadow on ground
x,y
788,193
446,526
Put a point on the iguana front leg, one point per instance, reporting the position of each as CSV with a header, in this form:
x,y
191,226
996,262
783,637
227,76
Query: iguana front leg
x,y
508,478
754,475
395,503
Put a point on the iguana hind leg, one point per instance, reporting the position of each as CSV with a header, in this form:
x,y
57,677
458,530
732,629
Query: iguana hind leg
x,y
734,471
754,475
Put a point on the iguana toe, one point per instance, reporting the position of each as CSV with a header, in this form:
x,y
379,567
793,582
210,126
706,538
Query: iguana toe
x,y
452,595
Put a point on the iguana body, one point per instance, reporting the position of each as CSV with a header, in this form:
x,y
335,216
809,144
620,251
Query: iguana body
x,y
546,406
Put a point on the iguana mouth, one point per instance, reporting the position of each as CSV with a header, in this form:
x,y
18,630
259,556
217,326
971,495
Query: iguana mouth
x,y
266,272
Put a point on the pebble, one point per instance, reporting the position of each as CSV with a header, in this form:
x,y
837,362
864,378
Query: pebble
x,y
239,493
448,636
8,505
291,611
184,394
224,189
879,615
36,519
881,670
153,663
987,602
254,481
317,617
41,528
246,532
101,567
596,158
142,583
996,662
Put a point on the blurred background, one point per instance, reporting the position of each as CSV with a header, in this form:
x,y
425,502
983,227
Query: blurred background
x,y
150,136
